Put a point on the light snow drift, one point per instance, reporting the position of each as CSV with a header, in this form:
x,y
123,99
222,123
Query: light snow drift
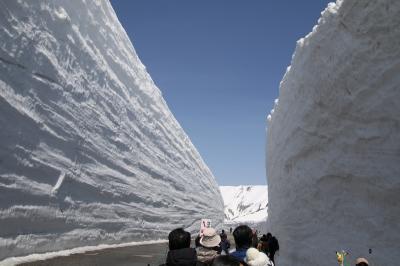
x,y
333,151
245,204
89,151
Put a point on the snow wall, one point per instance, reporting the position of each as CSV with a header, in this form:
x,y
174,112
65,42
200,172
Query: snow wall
x,y
333,140
89,151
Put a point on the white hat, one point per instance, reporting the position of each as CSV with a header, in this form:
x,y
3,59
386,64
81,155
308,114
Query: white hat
x,y
359,260
210,238
257,258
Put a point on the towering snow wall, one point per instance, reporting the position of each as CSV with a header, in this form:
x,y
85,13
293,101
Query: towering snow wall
x,y
89,151
333,140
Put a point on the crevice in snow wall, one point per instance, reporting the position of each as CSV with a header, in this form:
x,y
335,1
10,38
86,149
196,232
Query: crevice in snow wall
x,y
89,151
333,140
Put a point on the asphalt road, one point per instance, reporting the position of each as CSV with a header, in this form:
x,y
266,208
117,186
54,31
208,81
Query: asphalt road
x,y
151,254
143,255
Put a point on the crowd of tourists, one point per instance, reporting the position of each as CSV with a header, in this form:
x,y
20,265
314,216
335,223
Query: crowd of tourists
x,y
213,249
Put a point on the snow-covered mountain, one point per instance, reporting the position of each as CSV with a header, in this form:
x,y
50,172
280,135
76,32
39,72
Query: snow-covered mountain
x,y
333,140
89,151
245,204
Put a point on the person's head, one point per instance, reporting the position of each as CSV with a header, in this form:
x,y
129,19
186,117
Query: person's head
x,y
361,262
223,231
243,236
178,238
269,235
210,238
225,260
264,238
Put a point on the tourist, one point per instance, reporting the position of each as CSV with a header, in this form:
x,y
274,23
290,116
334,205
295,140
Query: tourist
x,y
273,247
209,248
243,237
223,234
254,240
263,244
225,244
257,258
268,236
361,262
180,252
225,260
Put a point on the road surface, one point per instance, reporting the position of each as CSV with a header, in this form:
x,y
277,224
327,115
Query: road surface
x,y
143,255
151,254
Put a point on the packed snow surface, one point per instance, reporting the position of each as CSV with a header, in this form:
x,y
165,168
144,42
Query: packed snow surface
x,y
333,140
89,151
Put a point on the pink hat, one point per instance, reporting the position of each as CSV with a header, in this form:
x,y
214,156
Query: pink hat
x,y
210,238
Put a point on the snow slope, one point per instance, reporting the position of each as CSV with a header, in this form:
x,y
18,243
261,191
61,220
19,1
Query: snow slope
x,y
333,140
89,151
245,204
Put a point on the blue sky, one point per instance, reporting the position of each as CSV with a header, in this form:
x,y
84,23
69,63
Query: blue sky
x,y
218,64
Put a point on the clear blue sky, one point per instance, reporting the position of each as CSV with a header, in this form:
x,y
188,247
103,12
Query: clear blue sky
x,y
218,64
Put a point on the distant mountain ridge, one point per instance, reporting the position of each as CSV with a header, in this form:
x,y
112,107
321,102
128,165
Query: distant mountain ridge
x,y
245,204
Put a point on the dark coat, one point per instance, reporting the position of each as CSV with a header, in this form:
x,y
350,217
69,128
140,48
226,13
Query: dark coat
x,y
182,257
273,247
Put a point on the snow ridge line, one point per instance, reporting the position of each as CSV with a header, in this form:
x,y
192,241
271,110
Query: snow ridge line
x,y
58,184
35,74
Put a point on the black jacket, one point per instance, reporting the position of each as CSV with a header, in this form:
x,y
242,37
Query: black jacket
x,y
182,257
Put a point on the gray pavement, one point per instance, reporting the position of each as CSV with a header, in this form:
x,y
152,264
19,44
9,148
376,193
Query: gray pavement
x,y
143,255
151,254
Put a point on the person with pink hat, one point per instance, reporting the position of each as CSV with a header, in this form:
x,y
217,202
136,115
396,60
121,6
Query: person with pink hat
x,y
209,248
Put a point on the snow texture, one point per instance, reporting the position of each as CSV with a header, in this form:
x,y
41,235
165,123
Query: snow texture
x,y
245,205
89,151
333,140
